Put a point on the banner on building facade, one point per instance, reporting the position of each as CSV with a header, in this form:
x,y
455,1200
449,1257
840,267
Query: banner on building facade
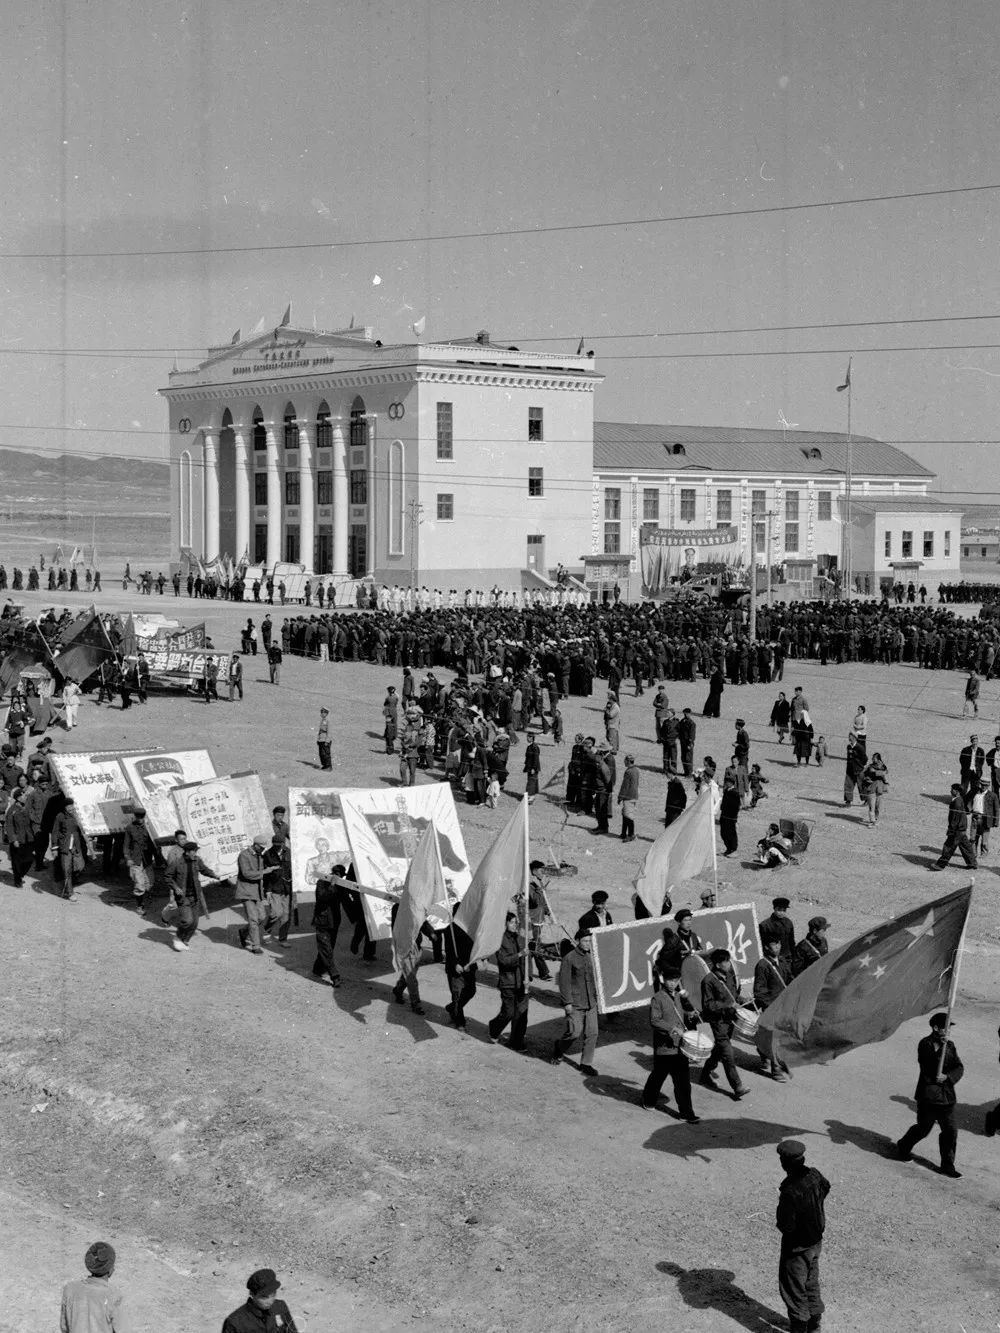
x,y
101,794
223,816
383,828
665,552
153,777
319,839
624,954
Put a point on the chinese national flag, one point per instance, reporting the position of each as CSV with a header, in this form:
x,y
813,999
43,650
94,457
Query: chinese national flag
x,y
863,991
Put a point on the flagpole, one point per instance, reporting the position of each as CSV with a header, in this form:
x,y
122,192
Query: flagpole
x,y
715,859
953,989
527,889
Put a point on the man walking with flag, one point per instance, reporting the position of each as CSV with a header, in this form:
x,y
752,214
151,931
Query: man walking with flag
x,y
940,1070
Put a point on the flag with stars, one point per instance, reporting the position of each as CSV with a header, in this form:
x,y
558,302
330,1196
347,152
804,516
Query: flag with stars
x,y
864,990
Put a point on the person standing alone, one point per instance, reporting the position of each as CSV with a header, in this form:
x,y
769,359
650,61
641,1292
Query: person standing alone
x,y
801,1219
323,739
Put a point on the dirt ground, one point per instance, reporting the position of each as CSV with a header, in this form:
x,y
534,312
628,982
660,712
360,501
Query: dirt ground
x,y
212,1112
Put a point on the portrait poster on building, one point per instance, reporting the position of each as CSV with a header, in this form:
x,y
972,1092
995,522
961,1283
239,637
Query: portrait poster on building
x,y
153,777
383,828
99,789
319,839
624,954
223,815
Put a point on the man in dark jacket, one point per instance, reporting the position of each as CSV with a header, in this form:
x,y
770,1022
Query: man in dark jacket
x,y
770,977
671,1015
813,947
801,1219
578,991
510,983
940,1070
687,730
670,739
326,924
183,876
719,992
18,836
461,973
676,801
957,838
628,798
778,926
263,1312
597,914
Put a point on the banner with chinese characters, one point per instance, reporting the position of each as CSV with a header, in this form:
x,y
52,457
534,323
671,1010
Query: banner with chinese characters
x,y
100,792
319,839
624,954
153,777
223,816
383,828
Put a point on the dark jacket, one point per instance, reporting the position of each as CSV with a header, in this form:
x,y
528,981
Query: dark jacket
x,y
326,912
958,818
801,1216
577,985
510,960
250,875
807,952
250,1318
779,928
719,998
671,1016
594,918
770,977
929,1090
629,789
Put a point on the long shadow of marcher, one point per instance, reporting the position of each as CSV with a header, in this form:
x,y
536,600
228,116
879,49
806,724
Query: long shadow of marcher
x,y
715,1289
685,1141
880,1145
930,1143
402,1016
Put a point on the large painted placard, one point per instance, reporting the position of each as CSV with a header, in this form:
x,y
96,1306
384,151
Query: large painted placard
x,y
99,789
624,954
223,815
319,839
383,828
153,777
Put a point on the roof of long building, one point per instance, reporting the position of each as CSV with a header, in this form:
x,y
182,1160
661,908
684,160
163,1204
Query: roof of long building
x,y
627,446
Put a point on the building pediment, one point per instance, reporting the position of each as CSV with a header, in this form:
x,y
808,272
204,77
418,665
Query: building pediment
x,y
279,353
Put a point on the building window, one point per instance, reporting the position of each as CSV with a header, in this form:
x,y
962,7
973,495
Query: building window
x,y
359,486
612,538
792,513
534,423
445,442
723,508
888,545
291,430
650,505
396,469
947,543
260,488
687,504
324,487
825,506
613,503
292,546
291,489
928,545
534,481
324,433
907,551
445,508
791,537
758,503
323,563
259,431
759,538
259,543
359,425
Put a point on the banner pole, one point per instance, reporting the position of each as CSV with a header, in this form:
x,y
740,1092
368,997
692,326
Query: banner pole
x,y
527,891
953,989
715,856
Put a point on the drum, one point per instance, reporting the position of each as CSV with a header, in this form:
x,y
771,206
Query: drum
x,y
746,1024
697,1046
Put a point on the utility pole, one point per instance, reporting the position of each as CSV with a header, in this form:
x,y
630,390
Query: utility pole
x,y
753,578
415,509
767,549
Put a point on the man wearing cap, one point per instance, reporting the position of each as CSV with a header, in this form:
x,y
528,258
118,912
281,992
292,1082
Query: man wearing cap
x,y
18,836
957,838
93,1302
280,898
603,774
183,876
67,840
509,959
686,730
598,914
264,1311
532,765
671,1014
628,798
139,852
578,990
813,947
323,739
778,926
801,1219
390,712
719,1000
940,1070
250,892
41,758
770,977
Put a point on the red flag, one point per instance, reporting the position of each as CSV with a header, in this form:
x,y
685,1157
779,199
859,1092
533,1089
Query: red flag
x,y
502,873
863,991
682,850
424,886
847,378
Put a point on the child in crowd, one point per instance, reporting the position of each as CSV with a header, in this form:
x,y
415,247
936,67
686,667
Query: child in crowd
x,y
757,784
820,751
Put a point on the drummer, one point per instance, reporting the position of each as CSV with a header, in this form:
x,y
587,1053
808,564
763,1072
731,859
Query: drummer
x,y
770,977
672,1015
679,945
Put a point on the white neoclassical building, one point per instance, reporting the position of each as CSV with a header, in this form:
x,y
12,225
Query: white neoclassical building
x,y
466,461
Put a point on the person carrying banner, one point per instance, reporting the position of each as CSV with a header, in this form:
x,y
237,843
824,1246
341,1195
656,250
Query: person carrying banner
x,y
812,947
940,1069
280,899
770,977
326,924
719,1000
801,1219
250,893
461,973
671,1014
140,852
511,984
183,876
578,990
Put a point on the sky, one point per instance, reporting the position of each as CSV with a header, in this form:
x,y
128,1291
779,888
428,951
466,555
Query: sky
x,y
348,141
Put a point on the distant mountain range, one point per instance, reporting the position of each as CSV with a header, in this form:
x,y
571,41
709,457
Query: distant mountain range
x,y
18,465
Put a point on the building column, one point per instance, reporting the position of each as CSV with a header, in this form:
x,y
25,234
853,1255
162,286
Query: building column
x,y
273,498
307,497
340,505
210,483
242,493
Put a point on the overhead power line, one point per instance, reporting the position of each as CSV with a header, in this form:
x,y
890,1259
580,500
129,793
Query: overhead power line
x,y
708,215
